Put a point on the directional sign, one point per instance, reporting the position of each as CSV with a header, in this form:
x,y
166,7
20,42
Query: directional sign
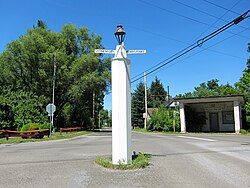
x,y
103,51
136,51
50,108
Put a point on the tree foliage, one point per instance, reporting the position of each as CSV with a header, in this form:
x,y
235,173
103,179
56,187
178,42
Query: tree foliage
x,y
163,120
138,106
81,75
211,88
157,94
243,85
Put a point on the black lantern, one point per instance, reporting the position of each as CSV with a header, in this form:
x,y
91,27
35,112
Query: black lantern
x,y
120,34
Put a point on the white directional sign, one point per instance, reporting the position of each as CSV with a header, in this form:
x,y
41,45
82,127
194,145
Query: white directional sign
x,y
136,51
50,108
104,51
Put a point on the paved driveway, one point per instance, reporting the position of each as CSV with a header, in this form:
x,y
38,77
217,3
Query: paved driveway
x,y
178,161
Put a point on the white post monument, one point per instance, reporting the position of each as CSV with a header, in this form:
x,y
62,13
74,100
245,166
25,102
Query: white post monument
x,y
121,99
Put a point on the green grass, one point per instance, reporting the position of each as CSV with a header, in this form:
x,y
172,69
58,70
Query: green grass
x,y
245,132
139,161
142,130
54,136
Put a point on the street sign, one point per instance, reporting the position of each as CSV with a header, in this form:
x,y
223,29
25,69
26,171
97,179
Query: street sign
x,y
50,108
136,51
104,51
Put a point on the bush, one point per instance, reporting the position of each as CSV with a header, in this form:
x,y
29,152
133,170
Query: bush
x,y
30,127
243,131
163,120
35,126
44,126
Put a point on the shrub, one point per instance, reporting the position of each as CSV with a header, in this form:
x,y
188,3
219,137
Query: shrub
x,y
163,120
243,131
35,126
44,126
30,127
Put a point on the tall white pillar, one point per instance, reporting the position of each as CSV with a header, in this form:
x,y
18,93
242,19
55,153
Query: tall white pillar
x,y
121,107
182,117
237,117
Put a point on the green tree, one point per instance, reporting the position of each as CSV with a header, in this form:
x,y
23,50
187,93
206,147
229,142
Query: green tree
x,y
244,87
105,119
157,94
138,106
19,108
81,75
211,88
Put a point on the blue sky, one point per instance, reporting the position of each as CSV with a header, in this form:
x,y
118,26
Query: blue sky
x,y
161,27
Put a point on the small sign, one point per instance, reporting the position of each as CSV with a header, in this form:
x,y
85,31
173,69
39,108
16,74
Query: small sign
x,y
144,115
50,108
136,51
104,51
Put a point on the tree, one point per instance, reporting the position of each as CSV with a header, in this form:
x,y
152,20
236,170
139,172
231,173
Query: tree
x,y
211,88
81,75
138,106
243,85
157,94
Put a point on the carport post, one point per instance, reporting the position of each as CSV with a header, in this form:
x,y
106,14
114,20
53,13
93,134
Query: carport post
x,y
182,117
237,117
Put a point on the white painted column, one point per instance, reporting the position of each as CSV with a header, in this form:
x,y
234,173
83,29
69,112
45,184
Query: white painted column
x,y
182,117
121,108
237,117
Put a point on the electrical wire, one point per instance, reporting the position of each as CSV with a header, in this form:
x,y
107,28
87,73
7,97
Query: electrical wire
x,y
183,16
203,50
221,7
199,43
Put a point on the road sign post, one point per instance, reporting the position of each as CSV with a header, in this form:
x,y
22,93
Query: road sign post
x,y
51,108
121,99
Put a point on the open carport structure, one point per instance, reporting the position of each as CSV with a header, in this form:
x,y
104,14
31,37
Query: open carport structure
x,y
211,114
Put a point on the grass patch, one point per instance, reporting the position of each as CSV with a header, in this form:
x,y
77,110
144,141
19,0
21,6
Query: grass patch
x,y
138,161
54,136
142,130
245,132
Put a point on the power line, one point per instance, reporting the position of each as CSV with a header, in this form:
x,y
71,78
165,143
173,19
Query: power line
x,y
183,16
198,43
206,13
173,39
218,19
221,7
203,50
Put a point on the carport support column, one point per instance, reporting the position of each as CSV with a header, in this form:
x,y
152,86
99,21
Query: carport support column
x,y
237,117
182,117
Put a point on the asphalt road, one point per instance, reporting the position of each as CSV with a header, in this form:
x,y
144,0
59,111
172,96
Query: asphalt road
x,y
178,161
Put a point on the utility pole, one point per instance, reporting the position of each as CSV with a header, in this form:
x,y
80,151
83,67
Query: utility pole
x,y
93,112
99,122
146,101
168,94
53,92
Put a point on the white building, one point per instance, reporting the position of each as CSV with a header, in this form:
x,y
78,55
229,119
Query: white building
x,y
211,114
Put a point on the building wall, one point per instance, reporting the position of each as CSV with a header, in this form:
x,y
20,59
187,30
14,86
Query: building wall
x,y
221,108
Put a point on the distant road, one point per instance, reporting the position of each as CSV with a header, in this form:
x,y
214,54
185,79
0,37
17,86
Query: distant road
x,y
178,161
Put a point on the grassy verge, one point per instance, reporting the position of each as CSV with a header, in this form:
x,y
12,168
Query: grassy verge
x,y
139,161
242,132
54,136
146,131
245,132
